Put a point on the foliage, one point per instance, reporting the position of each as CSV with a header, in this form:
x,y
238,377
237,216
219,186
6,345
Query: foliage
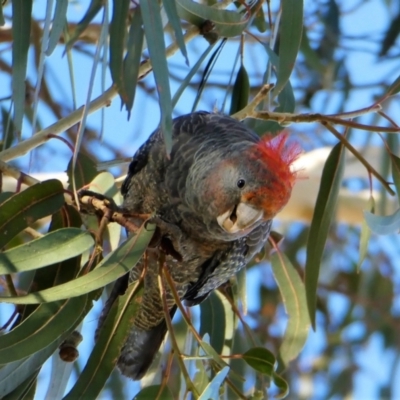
x,y
55,261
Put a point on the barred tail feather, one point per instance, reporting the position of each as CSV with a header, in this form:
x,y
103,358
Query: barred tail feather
x,y
140,349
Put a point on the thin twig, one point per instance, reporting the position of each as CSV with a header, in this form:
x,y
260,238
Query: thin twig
x,y
184,371
249,110
287,119
18,175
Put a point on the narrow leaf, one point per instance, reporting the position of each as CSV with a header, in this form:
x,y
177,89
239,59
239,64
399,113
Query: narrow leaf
x,y
46,324
132,60
105,354
207,349
14,374
241,90
155,40
22,209
293,295
365,235
59,21
116,264
383,225
290,38
212,321
117,42
212,389
281,384
2,21
85,170
190,75
94,7
25,390
174,20
59,377
8,130
395,161
21,30
54,247
323,214
394,87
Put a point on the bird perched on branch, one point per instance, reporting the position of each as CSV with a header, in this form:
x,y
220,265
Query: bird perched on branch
x,y
214,199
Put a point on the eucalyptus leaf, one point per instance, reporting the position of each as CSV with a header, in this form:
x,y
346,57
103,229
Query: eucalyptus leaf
x,y
23,209
325,206
383,225
293,294
116,264
52,248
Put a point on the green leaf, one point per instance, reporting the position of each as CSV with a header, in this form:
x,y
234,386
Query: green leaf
x,y
59,21
14,374
323,214
2,21
105,354
49,322
64,271
116,264
24,391
153,29
281,384
207,72
212,389
365,235
85,171
54,247
23,209
8,130
286,101
21,31
383,225
174,20
260,359
117,42
213,320
94,7
131,63
395,161
200,379
293,294
59,377
290,34
227,23
394,87
207,349
154,392
391,36
241,90
260,21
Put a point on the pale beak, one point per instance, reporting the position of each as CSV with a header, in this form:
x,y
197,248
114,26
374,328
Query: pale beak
x,y
239,218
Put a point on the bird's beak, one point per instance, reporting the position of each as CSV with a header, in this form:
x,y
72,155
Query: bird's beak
x,y
239,218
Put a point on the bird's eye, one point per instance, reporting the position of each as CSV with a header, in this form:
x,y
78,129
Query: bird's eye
x,y
240,183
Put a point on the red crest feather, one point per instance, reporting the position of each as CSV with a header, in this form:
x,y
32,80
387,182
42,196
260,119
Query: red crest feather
x,y
279,156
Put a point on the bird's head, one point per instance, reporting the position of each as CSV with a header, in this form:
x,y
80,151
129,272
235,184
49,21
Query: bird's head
x,y
251,184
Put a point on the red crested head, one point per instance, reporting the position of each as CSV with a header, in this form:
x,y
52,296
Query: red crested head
x,y
273,158
279,156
